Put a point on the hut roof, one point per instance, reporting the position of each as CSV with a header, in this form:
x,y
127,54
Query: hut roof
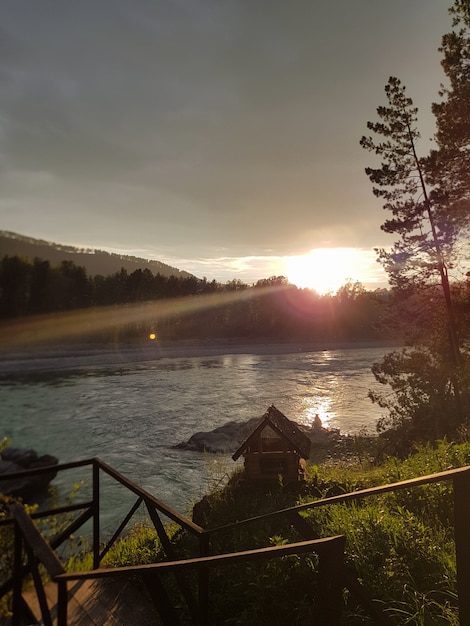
x,y
284,427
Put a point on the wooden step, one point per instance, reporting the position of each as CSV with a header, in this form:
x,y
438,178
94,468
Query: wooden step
x,y
102,602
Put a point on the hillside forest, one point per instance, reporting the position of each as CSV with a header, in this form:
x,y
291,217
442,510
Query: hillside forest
x,y
269,309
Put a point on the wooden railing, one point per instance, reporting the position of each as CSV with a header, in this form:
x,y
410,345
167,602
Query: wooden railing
x,y
460,478
29,540
204,561
39,552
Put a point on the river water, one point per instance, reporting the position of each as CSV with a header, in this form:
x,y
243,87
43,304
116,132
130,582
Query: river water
x,y
132,412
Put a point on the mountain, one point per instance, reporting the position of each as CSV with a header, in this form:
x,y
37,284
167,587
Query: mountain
x,y
94,261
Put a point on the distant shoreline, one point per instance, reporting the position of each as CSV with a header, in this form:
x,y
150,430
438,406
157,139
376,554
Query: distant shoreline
x,y
77,356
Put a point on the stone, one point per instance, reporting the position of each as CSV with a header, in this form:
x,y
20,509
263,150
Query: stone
x,y
230,436
14,460
225,439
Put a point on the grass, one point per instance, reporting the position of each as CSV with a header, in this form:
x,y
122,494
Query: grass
x,y
399,545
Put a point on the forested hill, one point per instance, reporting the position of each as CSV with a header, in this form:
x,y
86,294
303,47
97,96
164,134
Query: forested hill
x,y
96,262
195,308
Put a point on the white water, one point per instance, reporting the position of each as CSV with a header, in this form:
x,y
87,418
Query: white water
x,y
132,414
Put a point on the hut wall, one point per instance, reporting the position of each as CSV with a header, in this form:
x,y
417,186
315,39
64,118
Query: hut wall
x,y
273,444
271,464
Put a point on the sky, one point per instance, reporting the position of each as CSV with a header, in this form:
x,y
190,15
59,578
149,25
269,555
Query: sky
x,y
218,136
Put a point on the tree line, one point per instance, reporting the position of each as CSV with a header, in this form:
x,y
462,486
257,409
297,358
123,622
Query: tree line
x,y
271,308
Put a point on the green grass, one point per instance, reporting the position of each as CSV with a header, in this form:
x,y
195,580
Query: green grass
x,y
399,544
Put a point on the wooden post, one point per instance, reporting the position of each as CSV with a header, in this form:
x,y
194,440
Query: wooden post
x,y
96,514
38,585
204,580
62,603
166,610
170,553
331,577
17,576
462,542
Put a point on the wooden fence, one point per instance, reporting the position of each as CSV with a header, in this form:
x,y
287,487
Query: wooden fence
x,y
29,540
330,550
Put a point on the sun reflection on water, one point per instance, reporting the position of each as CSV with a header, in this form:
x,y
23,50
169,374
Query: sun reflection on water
x,y
321,406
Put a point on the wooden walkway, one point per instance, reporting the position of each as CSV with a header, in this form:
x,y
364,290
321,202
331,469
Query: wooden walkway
x,y
100,602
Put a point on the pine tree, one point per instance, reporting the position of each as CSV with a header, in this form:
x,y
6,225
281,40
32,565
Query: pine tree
x,y
448,166
419,258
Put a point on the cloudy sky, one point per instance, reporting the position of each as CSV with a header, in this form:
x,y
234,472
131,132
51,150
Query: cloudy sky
x,y
215,135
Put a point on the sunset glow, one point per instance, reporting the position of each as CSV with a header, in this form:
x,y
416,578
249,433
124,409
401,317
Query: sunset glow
x,y
326,269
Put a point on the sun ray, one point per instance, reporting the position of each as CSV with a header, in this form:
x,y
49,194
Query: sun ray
x,y
54,327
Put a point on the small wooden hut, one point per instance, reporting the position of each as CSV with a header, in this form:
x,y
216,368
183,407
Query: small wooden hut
x,y
275,447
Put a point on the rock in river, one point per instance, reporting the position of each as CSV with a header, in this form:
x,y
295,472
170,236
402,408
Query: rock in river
x,y
14,460
226,438
231,435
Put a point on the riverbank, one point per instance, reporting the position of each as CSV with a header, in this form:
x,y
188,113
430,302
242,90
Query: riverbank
x,y
79,355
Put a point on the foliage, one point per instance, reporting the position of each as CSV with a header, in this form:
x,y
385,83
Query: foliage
x,y
448,165
428,199
400,544
434,502
7,549
391,549
263,593
140,545
270,309
421,405
420,249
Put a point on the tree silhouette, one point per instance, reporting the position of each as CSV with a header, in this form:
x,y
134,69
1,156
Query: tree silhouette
x,y
418,258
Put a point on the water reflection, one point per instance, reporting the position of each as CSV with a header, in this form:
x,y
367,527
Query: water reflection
x,y
211,363
327,355
321,406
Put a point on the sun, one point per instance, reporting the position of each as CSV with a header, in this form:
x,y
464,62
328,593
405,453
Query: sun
x,y
323,269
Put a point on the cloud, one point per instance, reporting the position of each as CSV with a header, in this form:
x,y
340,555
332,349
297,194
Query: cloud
x,y
199,127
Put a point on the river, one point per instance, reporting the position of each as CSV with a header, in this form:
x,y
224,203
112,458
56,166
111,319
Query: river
x,y
131,408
